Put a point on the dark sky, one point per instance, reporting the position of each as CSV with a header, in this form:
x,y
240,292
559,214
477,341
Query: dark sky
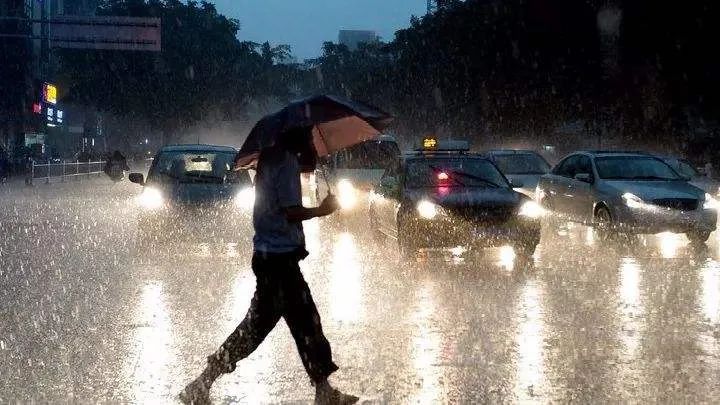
x,y
306,24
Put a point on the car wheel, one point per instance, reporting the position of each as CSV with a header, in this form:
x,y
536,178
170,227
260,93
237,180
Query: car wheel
x,y
603,224
698,237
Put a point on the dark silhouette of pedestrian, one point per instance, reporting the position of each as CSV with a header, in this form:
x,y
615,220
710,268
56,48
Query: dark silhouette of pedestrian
x,y
116,165
281,291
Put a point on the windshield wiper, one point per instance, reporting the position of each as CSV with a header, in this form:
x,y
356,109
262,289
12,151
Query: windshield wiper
x,y
468,175
203,176
474,177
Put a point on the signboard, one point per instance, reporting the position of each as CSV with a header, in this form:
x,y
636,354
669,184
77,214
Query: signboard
x,y
105,32
49,93
54,116
32,138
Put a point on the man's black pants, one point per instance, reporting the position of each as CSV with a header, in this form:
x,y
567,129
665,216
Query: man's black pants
x,y
281,291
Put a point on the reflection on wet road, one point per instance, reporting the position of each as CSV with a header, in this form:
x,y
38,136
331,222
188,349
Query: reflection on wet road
x,y
90,315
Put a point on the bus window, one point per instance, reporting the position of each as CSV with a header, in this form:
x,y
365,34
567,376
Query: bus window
x,y
368,155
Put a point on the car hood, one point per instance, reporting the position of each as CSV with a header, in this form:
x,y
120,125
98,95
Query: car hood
x,y
458,197
199,193
708,185
653,190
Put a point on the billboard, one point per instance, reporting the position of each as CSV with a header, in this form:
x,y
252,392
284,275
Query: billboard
x,y
105,32
49,93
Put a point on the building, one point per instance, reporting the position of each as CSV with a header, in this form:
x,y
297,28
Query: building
x,y
353,38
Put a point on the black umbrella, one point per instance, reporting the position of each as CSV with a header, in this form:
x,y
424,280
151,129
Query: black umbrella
x,y
336,123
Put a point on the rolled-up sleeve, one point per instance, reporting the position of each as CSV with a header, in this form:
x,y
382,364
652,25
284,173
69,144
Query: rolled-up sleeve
x,y
289,190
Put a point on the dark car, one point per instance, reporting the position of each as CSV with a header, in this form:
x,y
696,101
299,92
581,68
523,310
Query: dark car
x,y
445,198
191,190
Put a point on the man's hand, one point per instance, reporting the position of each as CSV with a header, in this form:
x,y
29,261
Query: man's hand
x,y
328,205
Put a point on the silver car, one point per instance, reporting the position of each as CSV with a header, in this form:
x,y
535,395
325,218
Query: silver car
x,y
627,192
521,167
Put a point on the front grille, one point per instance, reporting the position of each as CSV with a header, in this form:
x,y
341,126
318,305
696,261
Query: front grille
x,y
682,204
484,215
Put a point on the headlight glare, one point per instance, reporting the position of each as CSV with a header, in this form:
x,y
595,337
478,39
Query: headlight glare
x,y
346,194
150,198
633,201
531,209
427,209
710,202
245,199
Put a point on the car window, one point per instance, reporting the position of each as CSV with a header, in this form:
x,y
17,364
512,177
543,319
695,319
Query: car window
x,y
195,167
568,167
453,172
584,166
634,168
521,163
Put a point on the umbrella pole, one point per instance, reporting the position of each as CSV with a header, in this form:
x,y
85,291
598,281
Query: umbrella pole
x,y
323,168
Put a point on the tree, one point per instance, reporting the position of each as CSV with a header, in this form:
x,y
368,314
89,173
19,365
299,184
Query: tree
x,y
202,71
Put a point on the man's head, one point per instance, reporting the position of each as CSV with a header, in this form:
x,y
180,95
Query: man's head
x,y
300,142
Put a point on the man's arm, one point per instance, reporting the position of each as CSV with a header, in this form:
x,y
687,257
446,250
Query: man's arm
x,y
300,213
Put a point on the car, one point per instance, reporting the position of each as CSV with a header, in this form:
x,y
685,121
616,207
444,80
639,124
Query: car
x,y
522,167
443,196
352,172
627,192
191,190
686,169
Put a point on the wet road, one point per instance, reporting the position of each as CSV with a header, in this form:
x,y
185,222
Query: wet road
x,y
87,314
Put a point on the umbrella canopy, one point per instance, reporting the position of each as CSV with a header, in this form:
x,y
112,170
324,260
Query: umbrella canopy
x,y
336,123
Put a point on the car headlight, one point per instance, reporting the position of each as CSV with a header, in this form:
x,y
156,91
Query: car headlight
x,y
245,199
710,203
427,209
346,194
633,201
531,209
150,198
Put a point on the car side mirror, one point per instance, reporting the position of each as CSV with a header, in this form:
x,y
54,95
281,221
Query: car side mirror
x,y
137,178
584,177
516,184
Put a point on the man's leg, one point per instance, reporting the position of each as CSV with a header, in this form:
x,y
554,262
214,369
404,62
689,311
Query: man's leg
x,y
261,318
302,318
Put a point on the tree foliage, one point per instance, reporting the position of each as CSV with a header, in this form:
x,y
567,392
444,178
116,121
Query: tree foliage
x,y
203,68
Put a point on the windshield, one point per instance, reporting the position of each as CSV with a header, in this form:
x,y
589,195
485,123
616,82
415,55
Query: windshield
x,y
368,155
196,167
634,168
524,163
453,173
685,169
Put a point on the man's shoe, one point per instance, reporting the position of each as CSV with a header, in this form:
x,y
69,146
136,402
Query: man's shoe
x,y
331,396
196,393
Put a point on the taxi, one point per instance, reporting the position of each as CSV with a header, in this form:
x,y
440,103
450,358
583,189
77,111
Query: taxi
x,y
192,191
443,196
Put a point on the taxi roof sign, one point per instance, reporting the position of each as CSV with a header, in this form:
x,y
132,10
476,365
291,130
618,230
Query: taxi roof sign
x,y
432,144
429,143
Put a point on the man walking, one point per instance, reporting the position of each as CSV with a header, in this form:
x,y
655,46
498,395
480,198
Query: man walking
x,y
281,291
